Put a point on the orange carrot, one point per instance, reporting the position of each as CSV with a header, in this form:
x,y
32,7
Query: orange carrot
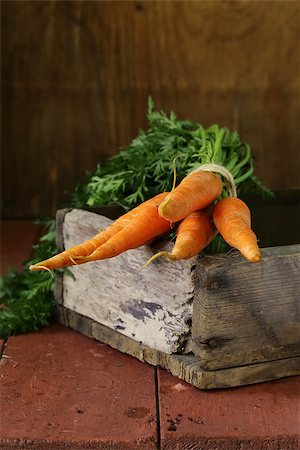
x,y
193,234
131,230
196,191
233,221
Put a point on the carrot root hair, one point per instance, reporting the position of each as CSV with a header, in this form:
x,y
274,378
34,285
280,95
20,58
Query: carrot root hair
x,y
167,199
73,260
80,258
174,173
157,255
38,267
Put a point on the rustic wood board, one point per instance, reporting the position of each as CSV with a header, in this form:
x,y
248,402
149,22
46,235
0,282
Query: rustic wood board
x,y
222,310
264,416
118,294
96,62
185,367
63,391
246,313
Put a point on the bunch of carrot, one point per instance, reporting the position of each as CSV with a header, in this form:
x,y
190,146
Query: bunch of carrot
x,y
194,205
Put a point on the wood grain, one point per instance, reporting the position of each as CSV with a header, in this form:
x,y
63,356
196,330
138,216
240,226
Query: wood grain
x,y
16,239
260,417
153,305
76,76
227,311
61,391
243,312
185,367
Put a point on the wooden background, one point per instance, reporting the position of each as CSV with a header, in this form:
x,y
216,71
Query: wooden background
x,y
76,76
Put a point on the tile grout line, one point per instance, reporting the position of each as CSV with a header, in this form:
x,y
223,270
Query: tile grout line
x,y
158,434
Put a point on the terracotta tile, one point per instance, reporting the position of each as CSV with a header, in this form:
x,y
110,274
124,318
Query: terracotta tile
x,y
62,388
17,237
261,416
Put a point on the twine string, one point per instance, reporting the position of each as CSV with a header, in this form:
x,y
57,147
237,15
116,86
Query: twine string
x,y
228,178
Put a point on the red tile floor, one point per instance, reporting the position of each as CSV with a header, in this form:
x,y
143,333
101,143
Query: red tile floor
x,y
61,390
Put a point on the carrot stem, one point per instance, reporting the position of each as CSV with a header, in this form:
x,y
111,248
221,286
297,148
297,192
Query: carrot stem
x,y
244,161
245,175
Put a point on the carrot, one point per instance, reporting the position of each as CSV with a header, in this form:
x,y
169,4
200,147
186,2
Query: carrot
x,y
131,230
196,191
193,234
233,221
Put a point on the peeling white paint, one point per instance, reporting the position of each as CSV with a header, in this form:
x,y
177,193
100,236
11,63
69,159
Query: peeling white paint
x,y
152,306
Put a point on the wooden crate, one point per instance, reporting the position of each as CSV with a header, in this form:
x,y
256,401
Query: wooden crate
x,y
214,321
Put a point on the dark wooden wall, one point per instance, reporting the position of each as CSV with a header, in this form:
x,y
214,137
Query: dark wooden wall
x,y
76,76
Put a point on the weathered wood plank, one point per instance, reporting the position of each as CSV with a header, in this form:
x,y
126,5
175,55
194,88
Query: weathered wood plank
x,y
82,86
154,306
246,313
242,313
60,390
260,417
185,367
17,238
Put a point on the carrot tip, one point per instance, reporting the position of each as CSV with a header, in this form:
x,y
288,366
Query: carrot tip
x,y
38,267
255,258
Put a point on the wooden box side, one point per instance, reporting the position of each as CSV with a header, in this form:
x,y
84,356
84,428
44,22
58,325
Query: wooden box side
x,y
153,306
244,313
185,367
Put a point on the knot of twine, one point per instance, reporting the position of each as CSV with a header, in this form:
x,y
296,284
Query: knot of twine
x,y
228,178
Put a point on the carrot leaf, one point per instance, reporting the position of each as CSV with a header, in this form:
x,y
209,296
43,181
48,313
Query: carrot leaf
x,y
136,173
